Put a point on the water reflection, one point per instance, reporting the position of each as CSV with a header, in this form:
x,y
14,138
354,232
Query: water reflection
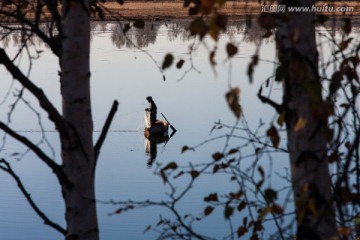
x,y
151,143
174,29
116,177
178,29
155,133
140,37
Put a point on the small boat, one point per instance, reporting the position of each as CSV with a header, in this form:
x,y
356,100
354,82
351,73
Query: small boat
x,y
160,128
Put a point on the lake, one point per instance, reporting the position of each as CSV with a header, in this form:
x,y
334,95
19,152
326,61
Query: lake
x,y
191,101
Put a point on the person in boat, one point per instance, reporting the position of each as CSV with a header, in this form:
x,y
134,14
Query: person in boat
x,y
152,109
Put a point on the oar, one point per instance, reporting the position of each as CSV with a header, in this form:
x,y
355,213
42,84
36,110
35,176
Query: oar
x,y
171,126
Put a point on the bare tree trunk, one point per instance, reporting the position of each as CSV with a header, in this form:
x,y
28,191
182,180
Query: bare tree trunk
x,y
78,152
306,117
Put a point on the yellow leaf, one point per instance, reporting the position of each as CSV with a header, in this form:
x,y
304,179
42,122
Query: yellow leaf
x,y
281,119
300,124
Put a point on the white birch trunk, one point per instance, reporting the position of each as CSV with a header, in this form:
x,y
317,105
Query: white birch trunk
x,y
306,119
78,153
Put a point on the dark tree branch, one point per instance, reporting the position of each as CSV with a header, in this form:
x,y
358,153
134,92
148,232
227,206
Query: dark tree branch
x,y
45,104
48,161
279,108
105,130
7,168
52,42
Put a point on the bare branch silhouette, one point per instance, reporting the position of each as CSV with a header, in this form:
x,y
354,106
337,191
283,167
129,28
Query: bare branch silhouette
x,y
5,166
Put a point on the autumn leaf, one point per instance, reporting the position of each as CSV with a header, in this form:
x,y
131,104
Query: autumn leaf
x,y
213,197
228,212
217,156
208,210
236,195
118,211
258,226
273,134
171,165
241,206
168,60
198,27
218,23
277,209
232,151
280,120
241,231
231,50
184,149
232,98
194,174
300,124
270,195
180,63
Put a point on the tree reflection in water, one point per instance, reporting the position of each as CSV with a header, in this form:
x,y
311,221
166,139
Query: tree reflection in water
x,y
142,38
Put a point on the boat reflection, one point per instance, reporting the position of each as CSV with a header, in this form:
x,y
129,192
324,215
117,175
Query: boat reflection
x,y
151,142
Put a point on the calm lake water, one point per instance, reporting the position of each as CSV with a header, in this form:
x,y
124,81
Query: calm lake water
x,y
129,75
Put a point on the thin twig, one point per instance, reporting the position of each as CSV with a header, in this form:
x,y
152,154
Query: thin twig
x,y
48,161
7,168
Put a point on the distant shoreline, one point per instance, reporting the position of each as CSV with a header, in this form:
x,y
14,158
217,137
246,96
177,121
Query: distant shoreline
x,y
160,10
157,10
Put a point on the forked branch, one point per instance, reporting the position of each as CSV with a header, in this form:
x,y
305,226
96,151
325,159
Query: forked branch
x,y
47,160
5,166
279,108
45,104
